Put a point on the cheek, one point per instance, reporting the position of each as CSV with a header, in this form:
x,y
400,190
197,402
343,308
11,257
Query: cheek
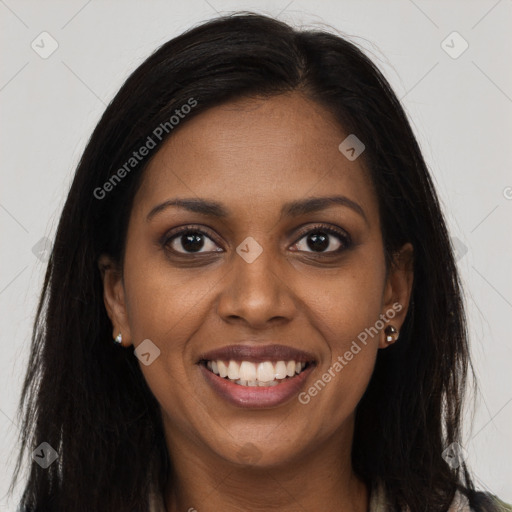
x,y
163,303
345,308
347,301
166,307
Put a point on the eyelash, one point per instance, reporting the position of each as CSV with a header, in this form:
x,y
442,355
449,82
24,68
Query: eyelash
x,y
185,230
343,237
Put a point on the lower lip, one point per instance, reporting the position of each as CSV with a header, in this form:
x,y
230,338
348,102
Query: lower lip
x,y
255,396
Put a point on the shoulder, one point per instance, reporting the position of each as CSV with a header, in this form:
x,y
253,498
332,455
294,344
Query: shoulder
x,y
489,502
486,502
460,503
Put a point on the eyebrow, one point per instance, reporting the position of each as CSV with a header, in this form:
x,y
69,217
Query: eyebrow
x,y
209,208
292,209
316,204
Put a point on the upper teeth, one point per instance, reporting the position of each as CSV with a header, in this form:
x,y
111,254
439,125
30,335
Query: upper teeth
x,y
255,374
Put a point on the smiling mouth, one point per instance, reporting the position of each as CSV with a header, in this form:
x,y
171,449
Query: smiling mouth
x,y
264,374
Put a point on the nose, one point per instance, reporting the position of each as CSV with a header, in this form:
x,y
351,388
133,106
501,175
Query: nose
x,y
257,293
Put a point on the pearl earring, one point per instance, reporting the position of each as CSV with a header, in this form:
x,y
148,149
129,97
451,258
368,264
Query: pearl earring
x,y
119,339
391,334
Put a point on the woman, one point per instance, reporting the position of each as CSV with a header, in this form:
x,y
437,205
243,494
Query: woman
x,y
254,225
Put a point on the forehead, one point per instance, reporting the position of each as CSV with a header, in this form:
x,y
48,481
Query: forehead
x,y
265,151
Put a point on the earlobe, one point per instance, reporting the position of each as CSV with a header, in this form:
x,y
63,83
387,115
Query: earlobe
x,y
114,299
397,294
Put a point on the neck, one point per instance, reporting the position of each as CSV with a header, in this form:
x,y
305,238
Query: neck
x,y
321,479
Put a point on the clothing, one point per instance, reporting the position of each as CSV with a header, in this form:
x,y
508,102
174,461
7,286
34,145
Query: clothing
x,y
378,502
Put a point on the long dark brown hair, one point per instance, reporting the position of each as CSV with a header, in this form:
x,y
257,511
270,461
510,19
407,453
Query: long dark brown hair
x,y
87,397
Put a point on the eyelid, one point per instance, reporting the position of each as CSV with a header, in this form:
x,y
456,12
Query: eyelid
x,y
334,230
180,230
305,230
344,240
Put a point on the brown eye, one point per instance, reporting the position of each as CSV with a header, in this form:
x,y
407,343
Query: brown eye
x,y
191,241
322,240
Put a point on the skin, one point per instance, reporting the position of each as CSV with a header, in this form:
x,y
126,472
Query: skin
x,y
253,156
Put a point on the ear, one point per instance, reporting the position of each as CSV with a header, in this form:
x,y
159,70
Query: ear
x,y
398,289
114,298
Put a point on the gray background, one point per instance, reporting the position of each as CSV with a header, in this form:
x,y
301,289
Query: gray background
x,y
461,110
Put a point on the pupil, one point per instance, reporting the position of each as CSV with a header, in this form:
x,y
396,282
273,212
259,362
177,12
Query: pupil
x,y
318,241
192,242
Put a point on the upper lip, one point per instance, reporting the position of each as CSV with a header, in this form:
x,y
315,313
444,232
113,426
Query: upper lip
x,y
257,354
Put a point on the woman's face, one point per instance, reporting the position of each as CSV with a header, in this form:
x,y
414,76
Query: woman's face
x,y
260,265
